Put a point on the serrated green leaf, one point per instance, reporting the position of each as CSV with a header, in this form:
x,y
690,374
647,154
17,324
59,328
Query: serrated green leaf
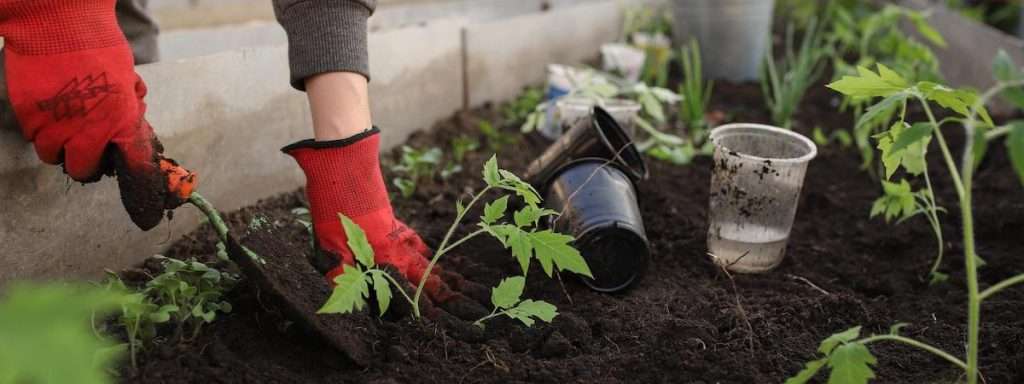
x,y
382,290
494,210
459,208
870,84
491,176
528,216
527,310
349,294
959,100
882,108
508,292
553,248
846,336
357,241
516,240
808,372
1015,146
916,132
851,364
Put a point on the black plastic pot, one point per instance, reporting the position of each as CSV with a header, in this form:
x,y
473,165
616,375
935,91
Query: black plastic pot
x,y
598,137
599,208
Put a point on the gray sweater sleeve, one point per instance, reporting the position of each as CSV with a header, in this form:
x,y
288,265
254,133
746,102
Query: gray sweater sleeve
x,y
325,36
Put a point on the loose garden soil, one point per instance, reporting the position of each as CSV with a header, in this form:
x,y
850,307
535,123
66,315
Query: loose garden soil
x,y
686,321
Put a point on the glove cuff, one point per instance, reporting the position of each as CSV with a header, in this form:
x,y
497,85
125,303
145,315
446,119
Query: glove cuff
x,y
50,27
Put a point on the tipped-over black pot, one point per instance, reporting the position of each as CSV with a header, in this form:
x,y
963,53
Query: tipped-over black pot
x,y
598,137
598,207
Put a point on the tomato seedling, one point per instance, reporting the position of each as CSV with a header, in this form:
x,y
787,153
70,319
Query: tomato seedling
x,y
522,236
845,353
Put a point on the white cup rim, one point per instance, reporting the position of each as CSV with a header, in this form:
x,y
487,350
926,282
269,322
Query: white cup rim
x,y
812,152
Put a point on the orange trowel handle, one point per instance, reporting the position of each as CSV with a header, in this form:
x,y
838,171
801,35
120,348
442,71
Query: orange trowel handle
x,y
180,181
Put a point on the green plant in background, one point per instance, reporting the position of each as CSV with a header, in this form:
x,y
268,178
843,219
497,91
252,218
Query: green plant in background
x,y
416,165
45,336
695,92
195,290
519,109
784,84
845,353
1004,15
646,19
839,136
461,146
523,237
496,139
856,29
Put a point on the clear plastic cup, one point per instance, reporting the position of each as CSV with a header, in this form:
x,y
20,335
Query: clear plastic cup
x,y
755,187
571,108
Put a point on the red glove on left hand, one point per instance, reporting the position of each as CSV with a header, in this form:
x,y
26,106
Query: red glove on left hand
x,y
73,87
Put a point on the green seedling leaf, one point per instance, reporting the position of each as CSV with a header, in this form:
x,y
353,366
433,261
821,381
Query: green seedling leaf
x,y
659,136
528,310
979,147
831,342
897,202
911,157
851,364
553,248
350,292
357,241
1015,146
870,84
959,100
495,210
491,175
882,108
508,292
459,208
652,106
937,277
530,214
382,289
916,132
516,240
810,369
405,186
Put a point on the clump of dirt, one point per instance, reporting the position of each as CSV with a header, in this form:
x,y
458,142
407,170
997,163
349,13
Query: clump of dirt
x,y
684,321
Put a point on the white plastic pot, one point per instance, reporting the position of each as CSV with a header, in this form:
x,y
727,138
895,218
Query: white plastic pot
x,y
623,59
755,186
733,34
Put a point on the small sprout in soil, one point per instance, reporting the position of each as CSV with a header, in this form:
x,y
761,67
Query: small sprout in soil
x,y
496,139
837,136
416,165
46,338
461,146
785,83
522,237
507,300
905,145
139,316
524,105
195,290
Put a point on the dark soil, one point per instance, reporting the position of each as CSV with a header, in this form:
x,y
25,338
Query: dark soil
x,y
686,321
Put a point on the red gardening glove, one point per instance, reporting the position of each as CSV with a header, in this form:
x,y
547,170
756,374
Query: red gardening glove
x,y
344,176
73,88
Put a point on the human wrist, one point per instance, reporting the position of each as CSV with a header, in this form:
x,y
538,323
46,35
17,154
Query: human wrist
x,y
339,103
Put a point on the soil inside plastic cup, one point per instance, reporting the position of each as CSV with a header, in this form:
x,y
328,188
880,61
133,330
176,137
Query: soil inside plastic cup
x,y
755,187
